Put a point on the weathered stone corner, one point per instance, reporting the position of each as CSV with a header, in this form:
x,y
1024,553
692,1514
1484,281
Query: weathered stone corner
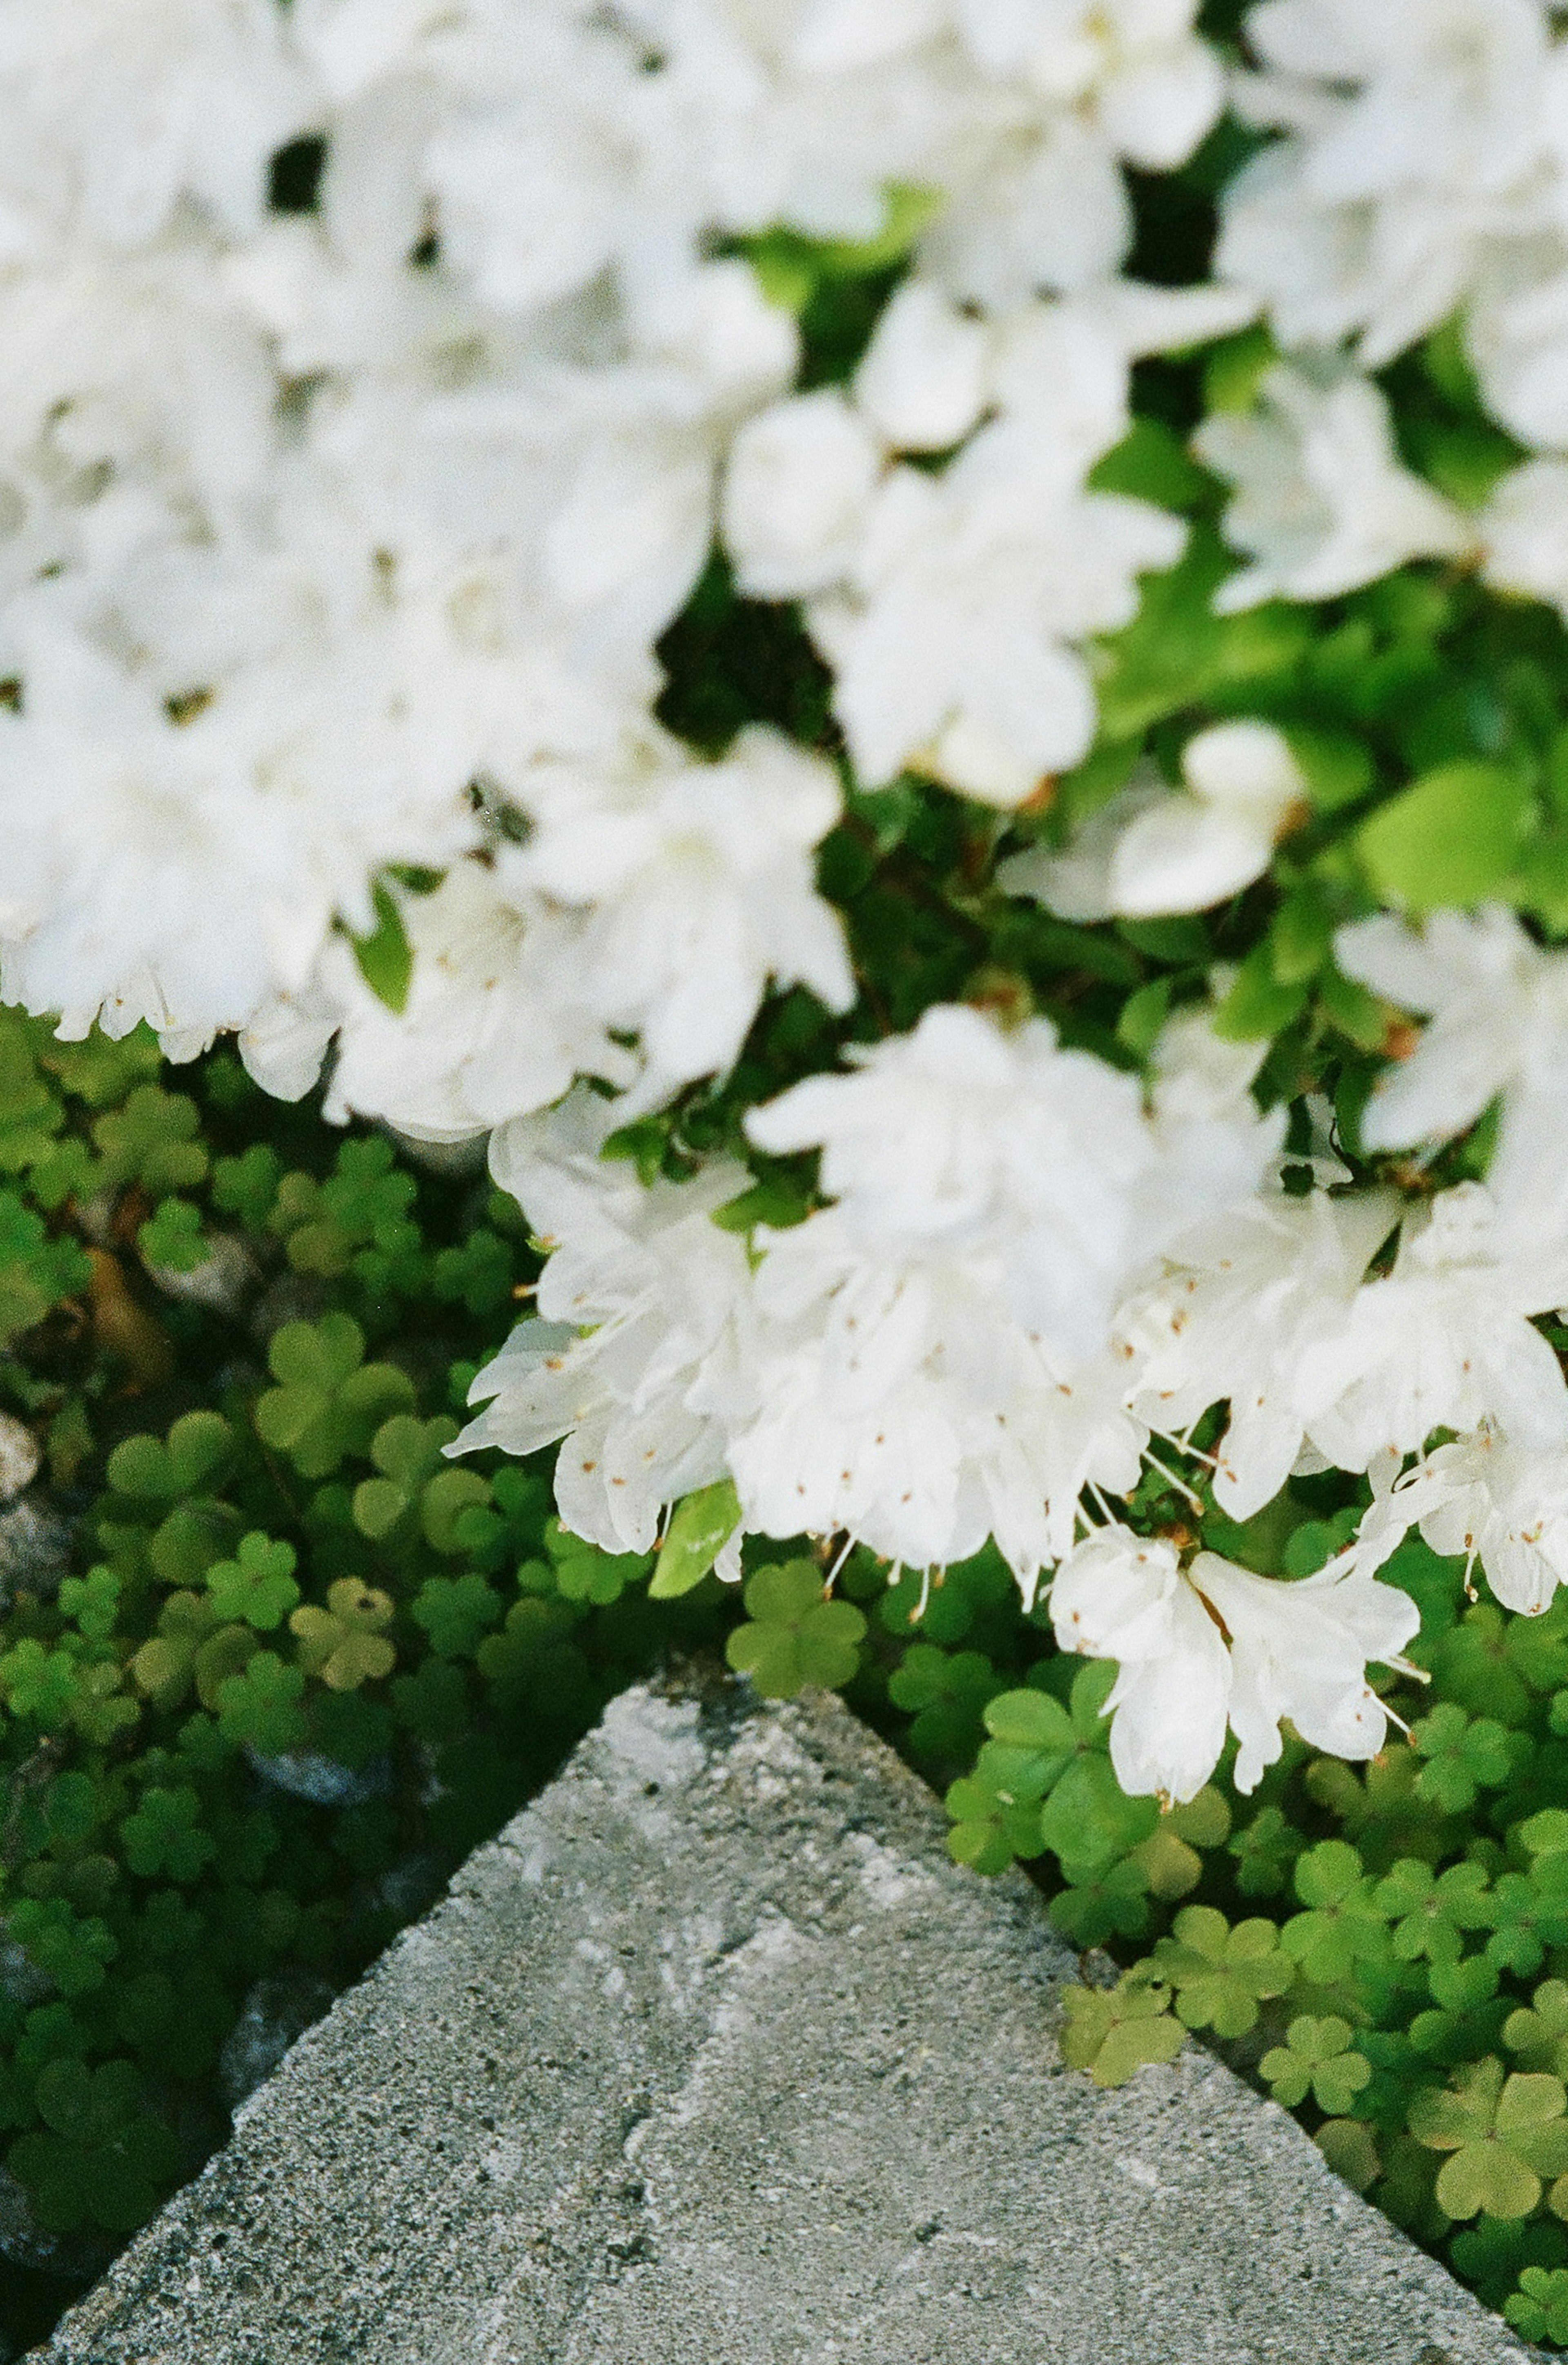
x,y
714,2057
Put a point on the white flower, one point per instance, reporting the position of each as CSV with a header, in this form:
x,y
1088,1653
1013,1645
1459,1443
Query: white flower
x,y
1516,329
153,100
1232,1320
1322,503
1214,1644
1523,533
955,633
959,1134
924,381
1443,1342
144,861
1496,1008
1300,1651
1153,85
1152,851
1492,1501
954,644
642,1318
896,1396
494,1025
798,496
1214,1144
1419,136
696,886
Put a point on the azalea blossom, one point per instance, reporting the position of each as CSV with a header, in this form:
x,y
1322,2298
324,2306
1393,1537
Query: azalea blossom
x,y
1496,1004
1148,851
641,1329
1232,1320
1209,1645
962,1135
1502,1506
1441,1341
1321,504
694,883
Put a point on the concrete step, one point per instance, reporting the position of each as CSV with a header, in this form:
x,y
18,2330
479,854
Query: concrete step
x,y
715,2058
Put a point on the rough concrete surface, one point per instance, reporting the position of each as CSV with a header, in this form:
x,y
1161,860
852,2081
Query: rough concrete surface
x,y
715,2058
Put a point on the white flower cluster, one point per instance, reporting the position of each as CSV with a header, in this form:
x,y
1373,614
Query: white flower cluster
x,y
1028,1279
375,376
334,544
1422,175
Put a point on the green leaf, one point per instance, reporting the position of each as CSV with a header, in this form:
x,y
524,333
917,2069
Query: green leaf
x,y
700,1528
385,958
1350,2149
1113,2034
794,1636
1219,1975
456,1612
257,1586
1538,2309
172,1237
164,1837
1150,465
259,1708
1316,2059
1504,2135
1337,767
1449,839
1258,1003
345,1643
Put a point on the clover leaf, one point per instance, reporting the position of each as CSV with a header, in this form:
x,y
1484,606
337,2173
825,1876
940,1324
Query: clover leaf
x,y
1220,1975
151,1140
1529,1913
104,2156
72,1948
172,1237
1265,1850
945,1694
1112,2033
582,1572
1538,2034
408,1453
1350,2149
1316,2059
1504,2132
198,1450
1343,1921
328,1402
345,1643
1431,1912
1111,1900
1463,1756
1538,2309
259,1708
257,1586
794,1635
456,1612
164,1836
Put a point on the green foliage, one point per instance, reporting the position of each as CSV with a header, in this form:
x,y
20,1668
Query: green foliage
x,y
697,1534
1503,2133
1538,2309
385,957
1112,2033
1316,2059
794,1635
